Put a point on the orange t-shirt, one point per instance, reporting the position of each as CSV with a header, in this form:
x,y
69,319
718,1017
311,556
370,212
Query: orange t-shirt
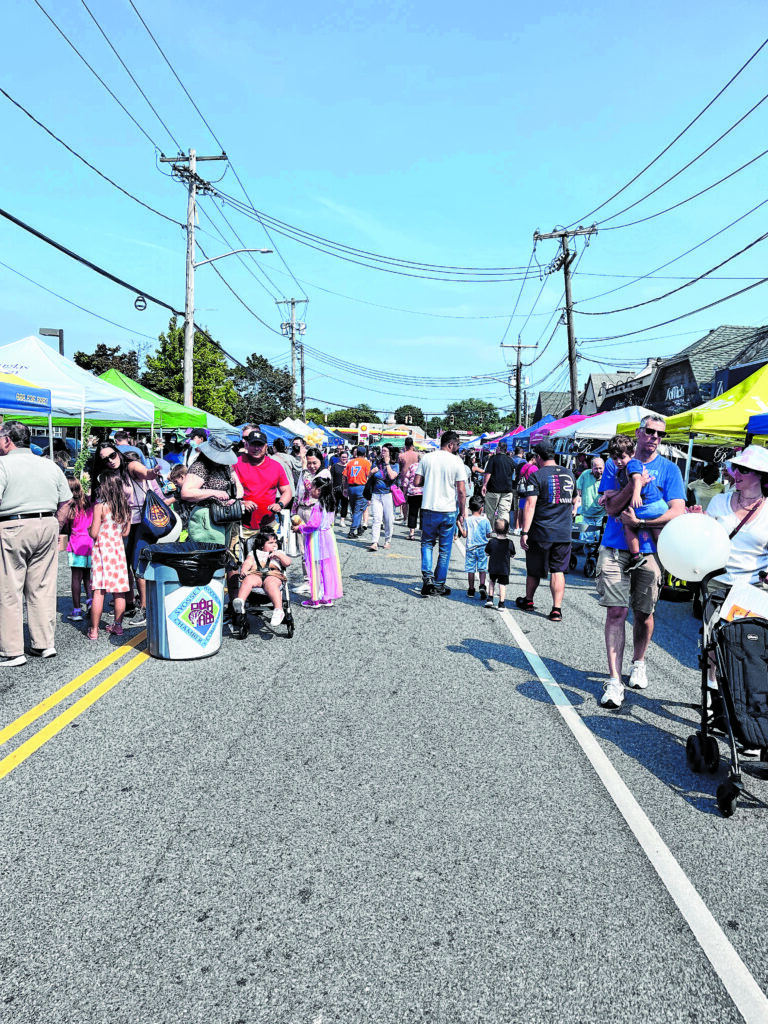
x,y
357,472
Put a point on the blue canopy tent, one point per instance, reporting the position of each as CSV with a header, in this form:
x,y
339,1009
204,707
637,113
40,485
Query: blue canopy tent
x,y
522,437
758,424
19,396
274,432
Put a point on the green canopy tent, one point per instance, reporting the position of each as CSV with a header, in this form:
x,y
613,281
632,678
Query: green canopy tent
x,y
168,415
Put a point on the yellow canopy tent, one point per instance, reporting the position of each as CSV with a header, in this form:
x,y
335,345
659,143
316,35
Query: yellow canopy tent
x,y
725,416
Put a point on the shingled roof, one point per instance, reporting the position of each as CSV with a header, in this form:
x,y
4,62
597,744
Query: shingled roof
x,y
723,346
553,403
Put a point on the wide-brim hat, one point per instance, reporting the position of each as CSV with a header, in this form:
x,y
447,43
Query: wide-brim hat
x,y
753,457
217,450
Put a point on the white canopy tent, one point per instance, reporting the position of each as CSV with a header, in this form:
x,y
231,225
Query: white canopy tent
x,y
603,426
76,394
295,426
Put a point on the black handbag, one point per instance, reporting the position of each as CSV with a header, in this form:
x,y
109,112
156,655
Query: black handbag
x,y
368,489
223,514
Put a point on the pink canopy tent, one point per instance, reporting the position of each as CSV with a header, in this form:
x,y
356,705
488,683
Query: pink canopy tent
x,y
552,428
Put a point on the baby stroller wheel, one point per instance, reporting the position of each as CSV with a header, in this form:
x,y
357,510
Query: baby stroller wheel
x,y
727,794
693,754
711,755
590,568
573,562
239,625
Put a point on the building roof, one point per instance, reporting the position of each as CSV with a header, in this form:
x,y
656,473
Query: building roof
x,y
723,346
553,403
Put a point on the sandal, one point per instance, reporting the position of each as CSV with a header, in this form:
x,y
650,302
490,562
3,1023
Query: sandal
x,y
93,637
524,604
556,615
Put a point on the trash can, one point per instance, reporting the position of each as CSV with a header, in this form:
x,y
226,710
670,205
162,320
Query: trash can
x,y
185,598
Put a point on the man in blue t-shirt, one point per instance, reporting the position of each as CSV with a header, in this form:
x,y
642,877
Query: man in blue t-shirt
x,y
619,590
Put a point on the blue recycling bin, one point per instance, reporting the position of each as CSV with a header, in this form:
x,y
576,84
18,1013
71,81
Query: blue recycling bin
x,y
185,598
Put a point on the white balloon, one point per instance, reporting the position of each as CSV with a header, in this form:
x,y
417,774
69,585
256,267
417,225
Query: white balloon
x,y
692,545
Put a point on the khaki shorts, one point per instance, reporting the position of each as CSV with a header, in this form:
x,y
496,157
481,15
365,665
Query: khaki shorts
x,y
638,590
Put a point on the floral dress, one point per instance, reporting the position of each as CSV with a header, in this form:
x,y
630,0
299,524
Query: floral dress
x,y
109,570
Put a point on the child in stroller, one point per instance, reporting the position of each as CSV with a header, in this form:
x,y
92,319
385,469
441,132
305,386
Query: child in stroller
x,y
264,567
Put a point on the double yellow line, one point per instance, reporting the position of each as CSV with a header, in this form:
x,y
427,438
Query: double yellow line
x,y
26,749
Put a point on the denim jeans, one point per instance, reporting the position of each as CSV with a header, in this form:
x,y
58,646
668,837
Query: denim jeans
x,y
437,528
358,505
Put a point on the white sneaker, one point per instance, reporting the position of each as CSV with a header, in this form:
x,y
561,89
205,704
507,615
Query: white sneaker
x,y
637,677
613,694
12,660
277,617
303,588
238,606
76,615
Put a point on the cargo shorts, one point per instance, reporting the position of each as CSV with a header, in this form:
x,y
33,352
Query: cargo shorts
x,y
638,590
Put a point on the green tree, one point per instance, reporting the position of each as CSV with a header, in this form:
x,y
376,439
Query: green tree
x,y
264,391
315,414
358,414
475,415
212,389
415,413
105,358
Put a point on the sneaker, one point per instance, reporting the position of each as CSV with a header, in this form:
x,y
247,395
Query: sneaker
x,y
43,652
635,562
352,534
238,606
442,591
373,547
76,615
613,694
483,594
427,589
470,592
11,661
303,588
277,617
489,603
502,604
130,611
638,679
139,619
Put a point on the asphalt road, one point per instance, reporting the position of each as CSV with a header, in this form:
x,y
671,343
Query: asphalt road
x,y
385,819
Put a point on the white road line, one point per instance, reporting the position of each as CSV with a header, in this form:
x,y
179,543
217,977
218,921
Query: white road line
x,y
749,998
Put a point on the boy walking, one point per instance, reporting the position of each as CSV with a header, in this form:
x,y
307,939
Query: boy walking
x,y
500,550
477,531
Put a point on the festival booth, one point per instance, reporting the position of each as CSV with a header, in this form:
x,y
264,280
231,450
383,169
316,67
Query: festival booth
x,y
169,415
76,395
523,437
548,429
721,419
19,397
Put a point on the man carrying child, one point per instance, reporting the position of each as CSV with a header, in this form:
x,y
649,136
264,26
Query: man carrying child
x,y
618,588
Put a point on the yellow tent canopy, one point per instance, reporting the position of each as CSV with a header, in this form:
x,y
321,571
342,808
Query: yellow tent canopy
x,y
725,416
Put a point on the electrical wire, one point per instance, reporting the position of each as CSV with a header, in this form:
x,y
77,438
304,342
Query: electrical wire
x,y
690,124
130,75
89,165
406,380
252,258
83,309
241,260
674,291
519,296
242,301
93,71
686,166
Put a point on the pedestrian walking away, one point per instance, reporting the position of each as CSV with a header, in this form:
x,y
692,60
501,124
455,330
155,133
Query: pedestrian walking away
x,y
619,591
32,492
547,529
442,476
499,484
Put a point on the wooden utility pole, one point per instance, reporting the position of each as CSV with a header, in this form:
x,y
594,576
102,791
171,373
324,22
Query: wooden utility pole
x,y
290,329
518,376
567,258
186,168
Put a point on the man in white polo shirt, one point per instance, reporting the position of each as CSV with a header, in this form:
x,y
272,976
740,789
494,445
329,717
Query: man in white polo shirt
x,y
441,474
32,490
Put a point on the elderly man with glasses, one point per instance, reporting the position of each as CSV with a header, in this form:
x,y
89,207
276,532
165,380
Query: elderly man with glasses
x,y
618,589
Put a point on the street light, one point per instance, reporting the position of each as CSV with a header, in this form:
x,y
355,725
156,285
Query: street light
x,y
189,317
54,332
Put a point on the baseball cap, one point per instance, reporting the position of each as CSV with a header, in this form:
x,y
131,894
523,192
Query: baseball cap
x,y
545,449
256,437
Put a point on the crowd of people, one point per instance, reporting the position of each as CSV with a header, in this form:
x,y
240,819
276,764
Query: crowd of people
x,y
271,508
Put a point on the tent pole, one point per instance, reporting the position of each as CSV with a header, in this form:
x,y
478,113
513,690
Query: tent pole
x,y
688,459
50,436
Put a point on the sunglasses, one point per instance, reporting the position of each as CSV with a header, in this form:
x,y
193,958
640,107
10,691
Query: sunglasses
x,y
651,432
108,458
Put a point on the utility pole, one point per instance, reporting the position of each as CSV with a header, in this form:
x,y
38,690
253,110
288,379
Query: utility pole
x,y
290,329
303,392
185,168
518,375
565,260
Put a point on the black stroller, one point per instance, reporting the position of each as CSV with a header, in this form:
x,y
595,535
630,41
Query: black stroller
x,y
739,707
258,601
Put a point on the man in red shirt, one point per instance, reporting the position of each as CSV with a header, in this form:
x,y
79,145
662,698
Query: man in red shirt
x,y
266,487
357,471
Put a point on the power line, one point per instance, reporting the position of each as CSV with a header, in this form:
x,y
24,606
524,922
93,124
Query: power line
x,y
406,380
95,73
238,297
686,166
89,165
674,291
240,256
690,124
130,75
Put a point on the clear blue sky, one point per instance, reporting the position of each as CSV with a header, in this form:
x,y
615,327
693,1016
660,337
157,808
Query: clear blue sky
x,y
442,133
